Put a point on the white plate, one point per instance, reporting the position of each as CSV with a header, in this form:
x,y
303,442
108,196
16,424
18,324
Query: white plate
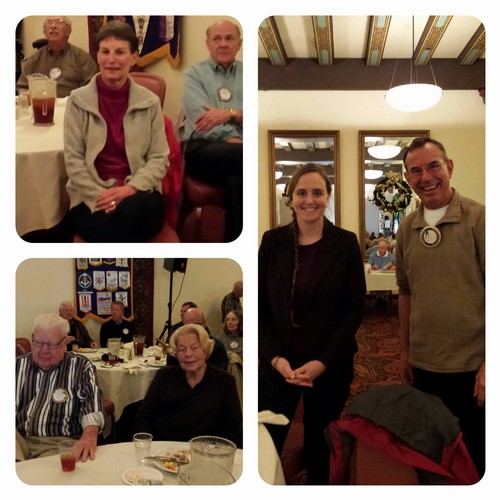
x,y
172,466
153,362
86,350
137,472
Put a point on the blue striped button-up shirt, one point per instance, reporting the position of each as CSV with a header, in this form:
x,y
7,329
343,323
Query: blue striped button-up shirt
x,y
60,401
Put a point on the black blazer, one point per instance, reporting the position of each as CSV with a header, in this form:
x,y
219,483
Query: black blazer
x,y
336,302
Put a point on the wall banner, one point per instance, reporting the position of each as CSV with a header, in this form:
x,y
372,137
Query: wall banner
x,y
98,282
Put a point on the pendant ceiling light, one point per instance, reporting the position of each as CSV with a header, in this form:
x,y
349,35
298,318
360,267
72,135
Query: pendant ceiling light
x,y
372,173
413,96
384,151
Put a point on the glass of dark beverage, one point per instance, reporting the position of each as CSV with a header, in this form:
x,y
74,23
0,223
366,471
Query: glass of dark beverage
x,y
43,110
67,454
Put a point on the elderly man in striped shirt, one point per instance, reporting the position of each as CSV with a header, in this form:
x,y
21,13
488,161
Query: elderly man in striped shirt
x,y
57,394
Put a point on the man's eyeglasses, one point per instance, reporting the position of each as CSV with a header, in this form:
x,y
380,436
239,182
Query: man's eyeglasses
x,y
54,22
417,172
50,345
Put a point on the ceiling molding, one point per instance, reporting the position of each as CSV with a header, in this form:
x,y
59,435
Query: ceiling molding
x,y
377,36
475,48
270,37
429,40
323,39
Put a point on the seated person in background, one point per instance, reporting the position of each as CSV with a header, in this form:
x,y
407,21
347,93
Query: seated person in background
x,y
116,150
117,327
70,404
382,258
232,300
193,398
218,358
213,107
69,65
232,332
77,332
184,307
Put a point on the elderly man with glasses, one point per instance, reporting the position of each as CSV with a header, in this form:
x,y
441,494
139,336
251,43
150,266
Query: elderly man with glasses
x,y
69,65
57,394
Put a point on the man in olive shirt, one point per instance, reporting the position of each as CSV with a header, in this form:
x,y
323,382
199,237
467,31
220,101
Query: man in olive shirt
x,y
69,65
440,271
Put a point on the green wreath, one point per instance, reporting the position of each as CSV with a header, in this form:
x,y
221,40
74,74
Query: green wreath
x,y
400,200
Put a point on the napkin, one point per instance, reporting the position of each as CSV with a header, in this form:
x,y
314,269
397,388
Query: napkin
x,y
154,350
269,417
132,369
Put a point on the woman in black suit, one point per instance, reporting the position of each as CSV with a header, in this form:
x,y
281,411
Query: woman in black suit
x,y
311,300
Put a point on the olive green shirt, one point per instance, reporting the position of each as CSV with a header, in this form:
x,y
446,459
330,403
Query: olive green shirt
x,y
447,288
71,68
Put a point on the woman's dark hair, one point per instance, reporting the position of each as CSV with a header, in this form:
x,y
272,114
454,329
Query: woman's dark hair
x,y
119,30
238,313
420,142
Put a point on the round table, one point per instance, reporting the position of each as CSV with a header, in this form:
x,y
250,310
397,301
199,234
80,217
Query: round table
x,y
124,383
107,468
41,196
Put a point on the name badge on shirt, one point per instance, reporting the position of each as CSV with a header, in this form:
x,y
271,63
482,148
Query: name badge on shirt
x,y
55,73
234,344
224,94
60,395
430,236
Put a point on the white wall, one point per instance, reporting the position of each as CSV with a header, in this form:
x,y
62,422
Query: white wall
x,y
42,284
458,121
192,50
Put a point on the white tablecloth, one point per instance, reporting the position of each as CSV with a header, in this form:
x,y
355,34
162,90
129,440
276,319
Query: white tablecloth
x,y
270,468
381,281
107,468
120,384
41,197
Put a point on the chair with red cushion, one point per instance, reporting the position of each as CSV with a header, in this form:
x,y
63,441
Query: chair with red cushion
x,y
203,207
202,213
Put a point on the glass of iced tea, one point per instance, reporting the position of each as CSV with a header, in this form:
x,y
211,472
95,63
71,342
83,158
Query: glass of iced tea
x,y
67,454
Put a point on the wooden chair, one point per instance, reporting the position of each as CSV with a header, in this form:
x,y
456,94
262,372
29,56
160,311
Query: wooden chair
x,y
23,346
202,213
109,410
151,81
203,207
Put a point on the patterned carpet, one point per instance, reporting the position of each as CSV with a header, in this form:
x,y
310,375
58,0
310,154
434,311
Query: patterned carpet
x,y
376,363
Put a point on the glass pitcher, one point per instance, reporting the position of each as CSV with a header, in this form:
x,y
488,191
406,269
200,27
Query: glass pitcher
x,y
43,93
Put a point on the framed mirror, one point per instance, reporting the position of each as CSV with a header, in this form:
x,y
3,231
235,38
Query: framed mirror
x,y
384,196
288,149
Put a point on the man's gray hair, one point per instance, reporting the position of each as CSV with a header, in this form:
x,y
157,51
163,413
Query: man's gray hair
x,y
46,321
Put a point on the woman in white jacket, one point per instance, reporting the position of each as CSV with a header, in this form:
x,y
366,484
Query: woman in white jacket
x,y
116,151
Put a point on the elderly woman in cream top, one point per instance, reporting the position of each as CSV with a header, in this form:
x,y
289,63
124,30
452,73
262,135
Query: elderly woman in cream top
x,y
116,150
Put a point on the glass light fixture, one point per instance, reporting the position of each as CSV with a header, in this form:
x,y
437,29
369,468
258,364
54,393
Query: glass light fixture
x,y
384,151
372,173
413,96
